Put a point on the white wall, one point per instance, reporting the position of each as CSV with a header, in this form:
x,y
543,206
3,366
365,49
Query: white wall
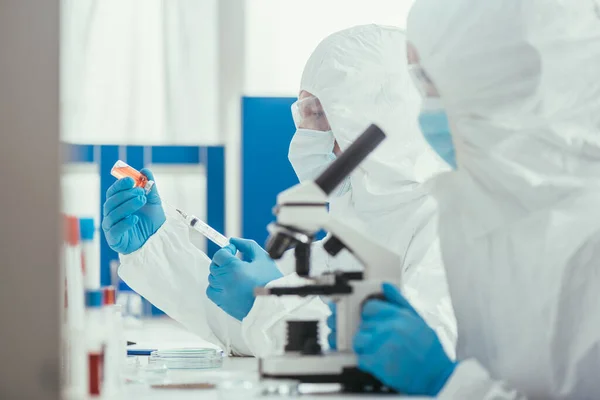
x,y
232,31
140,71
80,184
281,35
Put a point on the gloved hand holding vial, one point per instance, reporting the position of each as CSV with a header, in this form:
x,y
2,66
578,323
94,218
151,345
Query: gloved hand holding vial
x,y
133,211
122,170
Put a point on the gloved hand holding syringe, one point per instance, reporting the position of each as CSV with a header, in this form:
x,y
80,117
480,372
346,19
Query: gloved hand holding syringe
x,y
122,170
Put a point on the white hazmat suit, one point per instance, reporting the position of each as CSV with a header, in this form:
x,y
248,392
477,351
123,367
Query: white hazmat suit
x,y
519,220
360,77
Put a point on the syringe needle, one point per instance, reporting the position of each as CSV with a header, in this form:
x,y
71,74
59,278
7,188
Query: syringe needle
x,y
184,215
200,226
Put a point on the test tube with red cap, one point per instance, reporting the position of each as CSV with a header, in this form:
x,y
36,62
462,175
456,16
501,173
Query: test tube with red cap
x,y
76,364
122,170
73,271
109,296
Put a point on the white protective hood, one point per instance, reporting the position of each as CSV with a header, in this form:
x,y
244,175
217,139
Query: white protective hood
x,y
519,220
360,77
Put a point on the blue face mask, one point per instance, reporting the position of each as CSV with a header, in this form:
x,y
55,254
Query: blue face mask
x,y
436,129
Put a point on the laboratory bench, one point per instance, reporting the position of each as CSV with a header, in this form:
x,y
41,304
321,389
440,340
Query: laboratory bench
x,y
165,333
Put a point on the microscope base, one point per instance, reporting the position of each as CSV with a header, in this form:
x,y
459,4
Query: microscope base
x,y
328,368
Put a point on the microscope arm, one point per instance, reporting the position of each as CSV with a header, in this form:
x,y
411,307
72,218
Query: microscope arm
x,y
379,262
304,208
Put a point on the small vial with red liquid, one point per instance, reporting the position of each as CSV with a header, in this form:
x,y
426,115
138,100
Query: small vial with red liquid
x,y
122,170
95,338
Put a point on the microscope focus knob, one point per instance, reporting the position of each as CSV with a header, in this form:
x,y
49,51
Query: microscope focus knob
x,y
303,337
333,245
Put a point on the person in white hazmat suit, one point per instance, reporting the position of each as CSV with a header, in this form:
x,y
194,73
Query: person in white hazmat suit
x,y
512,100
353,78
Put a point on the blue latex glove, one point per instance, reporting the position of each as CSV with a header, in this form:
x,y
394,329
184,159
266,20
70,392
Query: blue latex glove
x,y
131,216
331,338
232,281
397,346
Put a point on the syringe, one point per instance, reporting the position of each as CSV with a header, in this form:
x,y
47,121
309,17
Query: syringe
x,y
198,225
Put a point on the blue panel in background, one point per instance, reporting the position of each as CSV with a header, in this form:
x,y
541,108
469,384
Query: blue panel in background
x,y
267,129
78,153
134,157
108,156
176,155
215,187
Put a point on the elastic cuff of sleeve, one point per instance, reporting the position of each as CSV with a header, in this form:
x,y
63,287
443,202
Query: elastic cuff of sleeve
x,y
468,380
171,224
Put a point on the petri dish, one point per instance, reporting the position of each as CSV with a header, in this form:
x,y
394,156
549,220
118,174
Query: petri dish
x,y
234,388
135,372
187,358
279,388
245,387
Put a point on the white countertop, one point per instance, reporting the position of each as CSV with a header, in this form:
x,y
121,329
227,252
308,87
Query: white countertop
x,y
165,333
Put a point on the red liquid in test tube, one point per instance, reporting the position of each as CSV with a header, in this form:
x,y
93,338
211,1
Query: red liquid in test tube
x,y
96,367
122,170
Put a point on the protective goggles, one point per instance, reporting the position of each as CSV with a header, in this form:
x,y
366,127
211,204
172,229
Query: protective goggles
x,y
308,113
421,80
